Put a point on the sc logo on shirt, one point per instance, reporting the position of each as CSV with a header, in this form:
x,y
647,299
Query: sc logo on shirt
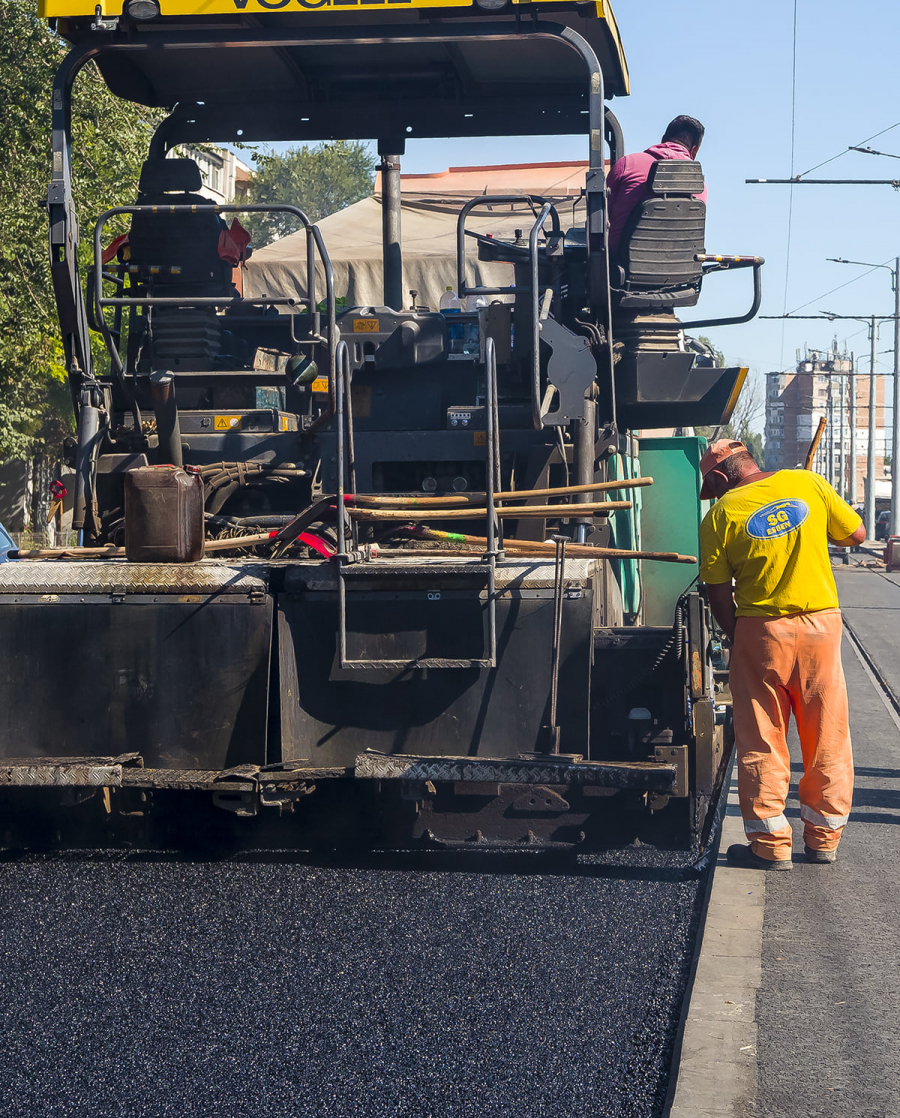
x,y
777,519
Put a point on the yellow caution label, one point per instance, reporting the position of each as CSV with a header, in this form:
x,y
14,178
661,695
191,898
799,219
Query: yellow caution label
x,y
285,423
228,423
365,326
480,438
320,384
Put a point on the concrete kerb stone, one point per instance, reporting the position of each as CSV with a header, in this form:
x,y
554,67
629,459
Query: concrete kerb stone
x,y
717,1070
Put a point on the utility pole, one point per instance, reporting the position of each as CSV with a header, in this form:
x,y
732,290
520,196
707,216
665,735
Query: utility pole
x,y
894,525
841,456
830,413
851,377
868,319
870,456
800,180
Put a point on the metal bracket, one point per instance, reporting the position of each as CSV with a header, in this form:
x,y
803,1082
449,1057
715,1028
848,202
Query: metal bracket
x,y
571,370
102,23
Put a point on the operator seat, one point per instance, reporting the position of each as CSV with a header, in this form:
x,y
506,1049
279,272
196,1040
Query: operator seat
x,y
176,255
656,269
184,247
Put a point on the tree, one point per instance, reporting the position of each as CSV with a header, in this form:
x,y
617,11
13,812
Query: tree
x,y
746,413
718,355
745,418
319,180
110,143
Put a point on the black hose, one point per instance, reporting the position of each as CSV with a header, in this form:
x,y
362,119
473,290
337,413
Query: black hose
x,y
275,520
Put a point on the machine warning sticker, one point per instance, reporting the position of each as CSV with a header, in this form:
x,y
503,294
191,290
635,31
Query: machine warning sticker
x,y
285,423
778,519
228,423
320,384
365,326
480,438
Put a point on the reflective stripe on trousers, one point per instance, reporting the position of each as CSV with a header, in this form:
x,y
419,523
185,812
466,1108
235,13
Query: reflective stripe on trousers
x,y
781,665
766,826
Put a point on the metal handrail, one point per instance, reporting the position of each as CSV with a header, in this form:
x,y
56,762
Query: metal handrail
x,y
724,264
315,244
343,557
491,200
536,416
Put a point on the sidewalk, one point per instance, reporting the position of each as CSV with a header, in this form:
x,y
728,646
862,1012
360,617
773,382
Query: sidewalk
x,y
810,1026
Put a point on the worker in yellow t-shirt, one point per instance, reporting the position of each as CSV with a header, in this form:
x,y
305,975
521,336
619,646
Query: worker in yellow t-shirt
x,y
764,559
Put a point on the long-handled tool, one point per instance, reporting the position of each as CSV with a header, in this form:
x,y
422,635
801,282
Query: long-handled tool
x,y
510,512
814,445
536,548
449,500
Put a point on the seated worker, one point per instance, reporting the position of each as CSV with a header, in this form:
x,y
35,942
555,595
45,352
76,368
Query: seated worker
x,y
627,181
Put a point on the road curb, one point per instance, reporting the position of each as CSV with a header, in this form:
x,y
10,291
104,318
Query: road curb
x,y
717,1064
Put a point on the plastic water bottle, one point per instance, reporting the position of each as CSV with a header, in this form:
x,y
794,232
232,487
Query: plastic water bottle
x,y
471,337
450,304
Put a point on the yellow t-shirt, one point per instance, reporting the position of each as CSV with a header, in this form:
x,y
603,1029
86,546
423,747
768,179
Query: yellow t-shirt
x,y
771,537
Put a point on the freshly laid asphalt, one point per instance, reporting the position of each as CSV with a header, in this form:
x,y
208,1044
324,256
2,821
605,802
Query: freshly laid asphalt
x,y
829,1006
161,986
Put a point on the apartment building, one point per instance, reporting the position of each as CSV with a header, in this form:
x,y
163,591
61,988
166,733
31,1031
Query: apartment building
x,y
226,178
823,385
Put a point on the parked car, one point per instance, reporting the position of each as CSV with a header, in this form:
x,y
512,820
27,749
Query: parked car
x,y
6,544
882,522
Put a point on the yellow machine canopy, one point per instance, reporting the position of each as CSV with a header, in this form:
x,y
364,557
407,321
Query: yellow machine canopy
x,y
270,70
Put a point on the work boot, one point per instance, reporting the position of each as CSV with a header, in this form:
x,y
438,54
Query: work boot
x,y
820,857
740,855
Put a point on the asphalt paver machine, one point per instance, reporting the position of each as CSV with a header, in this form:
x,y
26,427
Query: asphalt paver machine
x,y
443,588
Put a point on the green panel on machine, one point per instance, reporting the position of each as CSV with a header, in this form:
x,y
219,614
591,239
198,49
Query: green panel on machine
x,y
670,519
625,531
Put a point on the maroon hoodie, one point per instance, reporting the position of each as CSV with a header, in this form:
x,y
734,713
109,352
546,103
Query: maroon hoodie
x,y
627,183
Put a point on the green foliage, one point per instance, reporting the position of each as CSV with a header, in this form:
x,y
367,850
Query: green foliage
x,y
110,142
319,180
746,415
717,353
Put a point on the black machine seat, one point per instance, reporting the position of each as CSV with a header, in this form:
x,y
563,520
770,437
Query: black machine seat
x,y
657,266
182,248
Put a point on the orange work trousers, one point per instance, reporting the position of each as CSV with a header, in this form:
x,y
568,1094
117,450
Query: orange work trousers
x,y
780,664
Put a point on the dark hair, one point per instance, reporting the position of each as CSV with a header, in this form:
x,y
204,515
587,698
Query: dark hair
x,y
684,130
733,467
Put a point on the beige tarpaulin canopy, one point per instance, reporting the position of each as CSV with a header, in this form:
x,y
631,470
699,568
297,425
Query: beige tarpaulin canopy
x,y
353,239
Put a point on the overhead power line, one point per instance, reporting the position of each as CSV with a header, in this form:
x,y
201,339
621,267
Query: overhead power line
x,y
832,158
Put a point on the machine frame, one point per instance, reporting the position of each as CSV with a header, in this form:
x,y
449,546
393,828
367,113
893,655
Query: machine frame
x,y
449,641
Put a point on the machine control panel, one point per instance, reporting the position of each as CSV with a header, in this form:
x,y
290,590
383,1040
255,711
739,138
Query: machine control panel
x,y
381,338
474,418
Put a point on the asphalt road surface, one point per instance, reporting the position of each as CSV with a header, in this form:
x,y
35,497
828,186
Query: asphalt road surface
x,y
829,1005
150,986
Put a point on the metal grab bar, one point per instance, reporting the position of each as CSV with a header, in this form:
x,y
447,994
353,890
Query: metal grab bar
x,y
536,416
315,244
492,486
342,372
343,558
490,200
724,264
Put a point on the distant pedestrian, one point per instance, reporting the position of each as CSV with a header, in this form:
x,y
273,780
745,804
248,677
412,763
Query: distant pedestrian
x,y
627,181
765,563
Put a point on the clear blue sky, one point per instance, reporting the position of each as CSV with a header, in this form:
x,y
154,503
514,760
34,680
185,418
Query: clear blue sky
x,y
729,64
